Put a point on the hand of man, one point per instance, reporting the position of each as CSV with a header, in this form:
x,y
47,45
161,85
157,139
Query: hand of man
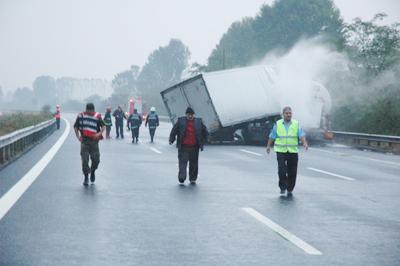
x,y
98,135
268,150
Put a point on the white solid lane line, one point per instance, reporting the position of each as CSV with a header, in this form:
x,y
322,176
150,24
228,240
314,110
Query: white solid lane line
x,y
332,174
251,152
155,150
11,197
283,232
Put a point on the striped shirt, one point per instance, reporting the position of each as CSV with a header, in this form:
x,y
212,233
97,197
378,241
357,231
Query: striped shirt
x,y
89,125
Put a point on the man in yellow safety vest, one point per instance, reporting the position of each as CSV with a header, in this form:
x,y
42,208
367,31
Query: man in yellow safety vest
x,y
285,135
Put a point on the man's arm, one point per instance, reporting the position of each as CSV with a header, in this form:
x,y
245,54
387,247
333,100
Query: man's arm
x,y
77,134
302,136
173,133
147,121
158,121
271,139
76,129
304,141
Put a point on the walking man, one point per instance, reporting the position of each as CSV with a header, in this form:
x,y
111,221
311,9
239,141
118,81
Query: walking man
x,y
191,134
89,128
285,135
152,120
108,122
119,122
134,123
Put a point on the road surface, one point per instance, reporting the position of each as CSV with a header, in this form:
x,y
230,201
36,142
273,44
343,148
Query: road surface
x,y
345,209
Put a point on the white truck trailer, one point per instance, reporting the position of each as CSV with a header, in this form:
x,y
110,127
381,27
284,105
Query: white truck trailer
x,y
244,102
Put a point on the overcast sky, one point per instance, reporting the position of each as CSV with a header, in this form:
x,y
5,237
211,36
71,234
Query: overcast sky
x,y
98,38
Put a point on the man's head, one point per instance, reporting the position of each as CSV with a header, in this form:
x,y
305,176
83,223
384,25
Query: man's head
x,y
287,113
189,113
90,108
135,111
153,109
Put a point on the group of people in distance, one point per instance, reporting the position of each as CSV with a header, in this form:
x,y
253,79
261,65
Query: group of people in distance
x,y
134,121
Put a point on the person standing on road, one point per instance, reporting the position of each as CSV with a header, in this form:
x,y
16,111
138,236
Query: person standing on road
x,y
57,116
89,128
285,135
191,135
152,120
134,123
119,122
108,122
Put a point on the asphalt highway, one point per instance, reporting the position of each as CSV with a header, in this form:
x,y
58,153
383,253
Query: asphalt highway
x,y
345,209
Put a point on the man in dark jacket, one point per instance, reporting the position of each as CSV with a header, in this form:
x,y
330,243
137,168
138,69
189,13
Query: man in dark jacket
x,y
134,122
191,135
119,122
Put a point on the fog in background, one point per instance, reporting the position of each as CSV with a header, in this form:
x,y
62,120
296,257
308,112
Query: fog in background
x,y
97,38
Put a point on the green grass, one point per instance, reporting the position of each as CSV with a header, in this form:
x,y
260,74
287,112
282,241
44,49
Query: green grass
x,y
15,121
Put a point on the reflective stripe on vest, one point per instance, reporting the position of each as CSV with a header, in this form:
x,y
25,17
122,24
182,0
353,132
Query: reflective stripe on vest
x,y
287,141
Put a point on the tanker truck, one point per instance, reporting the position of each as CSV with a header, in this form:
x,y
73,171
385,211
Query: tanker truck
x,y
243,103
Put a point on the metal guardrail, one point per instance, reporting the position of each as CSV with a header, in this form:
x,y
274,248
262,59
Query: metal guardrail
x,y
18,142
368,141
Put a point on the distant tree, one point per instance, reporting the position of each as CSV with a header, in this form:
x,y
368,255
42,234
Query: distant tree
x,y
46,109
278,26
23,99
375,47
124,85
163,68
236,48
44,88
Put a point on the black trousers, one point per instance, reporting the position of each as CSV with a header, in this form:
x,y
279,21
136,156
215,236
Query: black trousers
x,y
152,132
58,123
135,133
119,127
287,170
191,155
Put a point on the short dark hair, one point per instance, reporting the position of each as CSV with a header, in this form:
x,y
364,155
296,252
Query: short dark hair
x,y
89,107
190,110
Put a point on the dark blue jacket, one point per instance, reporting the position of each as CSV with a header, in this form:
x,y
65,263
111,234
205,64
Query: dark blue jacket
x,y
134,121
152,120
179,130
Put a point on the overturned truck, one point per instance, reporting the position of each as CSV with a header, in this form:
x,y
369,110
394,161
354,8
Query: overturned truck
x,y
243,103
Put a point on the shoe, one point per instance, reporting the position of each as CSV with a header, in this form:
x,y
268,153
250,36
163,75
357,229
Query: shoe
x,y
181,182
86,180
283,191
193,182
289,193
133,141
92,177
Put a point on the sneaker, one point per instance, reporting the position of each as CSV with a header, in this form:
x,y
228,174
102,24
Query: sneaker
x,y
92,177
283,191
290,193
86,180
193,182
181,182
133,141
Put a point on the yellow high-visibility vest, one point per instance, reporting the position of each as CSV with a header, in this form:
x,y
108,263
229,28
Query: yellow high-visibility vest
x,y
287,141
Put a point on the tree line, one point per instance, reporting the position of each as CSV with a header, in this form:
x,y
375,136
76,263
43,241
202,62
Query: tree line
x,y
366,95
